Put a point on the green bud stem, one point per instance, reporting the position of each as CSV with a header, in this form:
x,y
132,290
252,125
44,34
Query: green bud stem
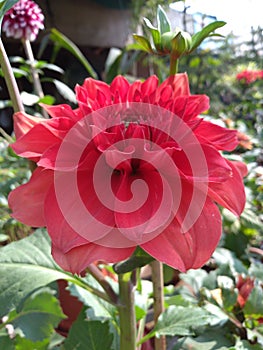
x,y
173,65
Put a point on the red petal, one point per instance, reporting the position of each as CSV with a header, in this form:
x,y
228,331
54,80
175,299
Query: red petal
x,y
179,84
241,167
188,250
202,163
231,193
148,88
119,89
219,137
72,208
23,123
78,258
27,201
62,110
134,93
70,250
146,205
42,136
62,234
94,90
189,107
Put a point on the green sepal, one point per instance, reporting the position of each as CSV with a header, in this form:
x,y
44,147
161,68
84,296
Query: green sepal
x,y
204,33
181,44
163,23
143,42
156,36
139,259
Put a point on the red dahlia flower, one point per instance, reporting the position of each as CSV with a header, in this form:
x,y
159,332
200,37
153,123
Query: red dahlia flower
x,y
133,165
23,20
249,76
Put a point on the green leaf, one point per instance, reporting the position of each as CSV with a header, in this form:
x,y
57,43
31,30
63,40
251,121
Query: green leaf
x,y
91,335
26,265
251,219
65,91
5,5
155,33
176,300
138,259
143,42
29,99
163,23
47,99
50,66
6,342
61,40
225,257
204,33
256,270
27,344
17,72
3,237
219,317
194,278
212,340
52,343
179,320
254,303
98,308
39,315
245,345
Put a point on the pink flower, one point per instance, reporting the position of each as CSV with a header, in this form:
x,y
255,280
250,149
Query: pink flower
x,y
23,20
133,165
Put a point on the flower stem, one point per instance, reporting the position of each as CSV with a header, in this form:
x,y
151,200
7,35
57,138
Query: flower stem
x,y
35,76
100,278
158,305
10,80
79,281
127,311
173,65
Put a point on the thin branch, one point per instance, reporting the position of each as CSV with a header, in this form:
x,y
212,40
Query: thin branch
x,y
79,281
35,76
100,278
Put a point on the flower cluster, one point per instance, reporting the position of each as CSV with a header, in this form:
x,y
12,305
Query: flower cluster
x,y
249,76
23,20
133,165
244,286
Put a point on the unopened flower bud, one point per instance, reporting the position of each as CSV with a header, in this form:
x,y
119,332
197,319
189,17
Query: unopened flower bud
x,y
23,20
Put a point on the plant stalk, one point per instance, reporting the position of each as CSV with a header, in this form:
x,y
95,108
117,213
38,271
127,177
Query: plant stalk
x,y
127,312
34,73
10,80
174,62
158,296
